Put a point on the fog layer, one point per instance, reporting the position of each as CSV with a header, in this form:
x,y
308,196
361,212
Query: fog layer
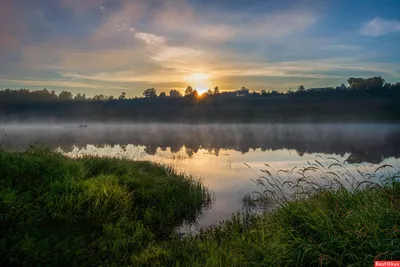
x,y
365,142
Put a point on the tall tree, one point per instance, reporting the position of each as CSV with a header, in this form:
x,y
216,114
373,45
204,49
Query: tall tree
x,y
189,90
301,88
375,83
150,93
99,97
216,90
357,83
78,97
174,94
65,95
53,94
122,96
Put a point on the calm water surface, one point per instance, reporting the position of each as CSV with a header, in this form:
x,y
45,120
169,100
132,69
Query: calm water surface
x,y
218,152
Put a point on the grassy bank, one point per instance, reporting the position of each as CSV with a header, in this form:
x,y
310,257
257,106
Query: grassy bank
x,y
329,225
56,211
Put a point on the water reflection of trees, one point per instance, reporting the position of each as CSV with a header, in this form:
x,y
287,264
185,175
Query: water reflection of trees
x,y
364,143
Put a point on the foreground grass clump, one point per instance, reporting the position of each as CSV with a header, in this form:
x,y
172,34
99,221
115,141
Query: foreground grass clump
x,y
57,211
322,226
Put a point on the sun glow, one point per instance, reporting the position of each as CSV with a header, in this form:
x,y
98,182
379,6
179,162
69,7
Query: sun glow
x,y
199,81
197,77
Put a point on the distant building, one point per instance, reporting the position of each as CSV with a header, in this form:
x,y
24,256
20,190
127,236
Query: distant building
x,y
342,87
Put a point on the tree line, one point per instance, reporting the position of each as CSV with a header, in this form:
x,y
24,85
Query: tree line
x,y
373,84
370,99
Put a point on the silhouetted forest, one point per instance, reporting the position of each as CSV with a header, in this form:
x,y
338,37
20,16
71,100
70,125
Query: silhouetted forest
x,y
370,99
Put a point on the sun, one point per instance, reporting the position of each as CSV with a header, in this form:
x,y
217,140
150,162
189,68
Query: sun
x,y
199,81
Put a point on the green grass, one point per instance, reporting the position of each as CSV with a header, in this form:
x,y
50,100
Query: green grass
x,y
56,211
325,225
330,229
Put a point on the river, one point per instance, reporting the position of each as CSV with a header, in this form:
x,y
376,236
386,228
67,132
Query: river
x,y
225,156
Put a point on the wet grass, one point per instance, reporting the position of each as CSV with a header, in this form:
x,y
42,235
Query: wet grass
x,y
350,221
57,211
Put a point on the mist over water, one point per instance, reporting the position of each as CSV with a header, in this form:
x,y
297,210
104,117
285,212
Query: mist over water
x,y
217,152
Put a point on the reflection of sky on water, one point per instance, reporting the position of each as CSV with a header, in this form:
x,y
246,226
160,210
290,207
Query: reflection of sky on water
x,y
218,152
363,142
226,174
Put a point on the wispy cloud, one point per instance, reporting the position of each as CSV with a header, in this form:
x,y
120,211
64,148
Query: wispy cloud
x,y
124,77
379,27
132,43
11,28
58,83
150,39
234,25
309,68
340,47
220,74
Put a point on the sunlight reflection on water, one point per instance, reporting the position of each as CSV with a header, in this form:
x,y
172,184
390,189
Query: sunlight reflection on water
x,y
226,174
218,153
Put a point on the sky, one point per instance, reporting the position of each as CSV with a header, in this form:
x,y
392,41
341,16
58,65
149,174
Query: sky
x,y
113,46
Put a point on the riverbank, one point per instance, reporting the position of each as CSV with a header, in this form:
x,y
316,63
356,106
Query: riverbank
x,y
57,211
330,228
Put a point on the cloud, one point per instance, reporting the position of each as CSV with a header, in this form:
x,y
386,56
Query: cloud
x,y
340,47
180,57
134,43
221,27
379,27
308,68
125,77
57,83
11,28
214,33
278,25
150,39
83,7
226,71
102,59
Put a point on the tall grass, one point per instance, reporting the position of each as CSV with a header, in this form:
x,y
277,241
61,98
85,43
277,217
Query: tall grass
x,y
299,183
317,219
57,211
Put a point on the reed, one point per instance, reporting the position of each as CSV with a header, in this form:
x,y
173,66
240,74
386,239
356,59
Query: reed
x,y
317,215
